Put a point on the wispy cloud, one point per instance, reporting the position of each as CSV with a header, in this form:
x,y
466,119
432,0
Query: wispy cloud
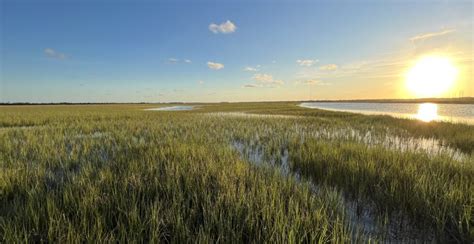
x,y
311,82
176,60
381,67
252,69
173,60
215,66
380,71
51,53
224,28
328,67
250,86
306,62
200,82
425,36
314,82
264,80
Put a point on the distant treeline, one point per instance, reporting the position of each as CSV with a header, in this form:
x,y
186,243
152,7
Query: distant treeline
x,y
460,100
98,103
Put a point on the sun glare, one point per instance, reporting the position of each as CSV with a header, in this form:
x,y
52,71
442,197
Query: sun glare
x,y
427,112
431,76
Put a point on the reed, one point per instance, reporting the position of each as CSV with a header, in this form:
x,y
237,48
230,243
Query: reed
x,y
118,173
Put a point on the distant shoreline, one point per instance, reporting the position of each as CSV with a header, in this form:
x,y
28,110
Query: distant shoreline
x,y
461,100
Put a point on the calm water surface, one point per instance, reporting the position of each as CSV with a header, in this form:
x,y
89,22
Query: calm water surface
x,y
172,108
458,113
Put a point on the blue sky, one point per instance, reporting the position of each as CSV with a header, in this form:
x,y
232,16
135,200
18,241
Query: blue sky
x,y
211,51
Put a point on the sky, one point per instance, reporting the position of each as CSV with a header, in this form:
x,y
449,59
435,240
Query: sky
x,y
216,51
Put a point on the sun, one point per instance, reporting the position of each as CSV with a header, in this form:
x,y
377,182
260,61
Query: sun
x,y
431,76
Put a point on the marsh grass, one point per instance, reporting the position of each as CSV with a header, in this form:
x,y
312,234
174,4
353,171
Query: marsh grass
x,y
118,173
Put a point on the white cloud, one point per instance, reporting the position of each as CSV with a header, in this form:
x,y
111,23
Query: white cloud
x,y
200,82
187,61
306,62
225,28
173,60
264,80
328,67
49,52
252,69
54,54
430,35
215,66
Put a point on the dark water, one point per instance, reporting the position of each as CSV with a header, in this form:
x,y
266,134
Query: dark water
x,y
458,113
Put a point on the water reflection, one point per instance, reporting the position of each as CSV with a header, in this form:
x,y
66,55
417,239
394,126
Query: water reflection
x,y
458,113
427,112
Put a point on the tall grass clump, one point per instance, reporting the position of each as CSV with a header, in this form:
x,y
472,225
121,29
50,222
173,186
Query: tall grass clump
x,y
431,192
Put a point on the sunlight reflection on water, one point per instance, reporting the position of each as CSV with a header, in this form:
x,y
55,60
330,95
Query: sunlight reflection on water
x,y
457,113
427,112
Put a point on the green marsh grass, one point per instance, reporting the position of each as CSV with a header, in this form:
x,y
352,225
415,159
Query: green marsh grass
x,y
119,173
